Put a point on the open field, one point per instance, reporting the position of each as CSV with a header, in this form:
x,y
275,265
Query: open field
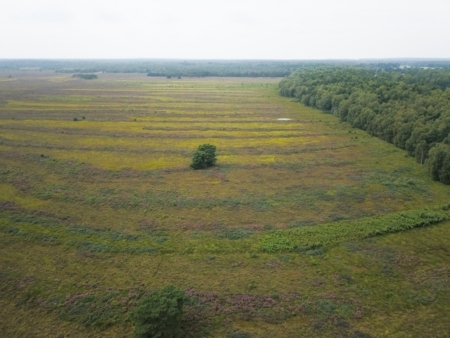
x,y
297,232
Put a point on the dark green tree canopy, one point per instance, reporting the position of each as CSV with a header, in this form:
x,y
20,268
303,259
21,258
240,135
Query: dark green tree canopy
x,y
439,163
407,107
204,157
158,314
85,76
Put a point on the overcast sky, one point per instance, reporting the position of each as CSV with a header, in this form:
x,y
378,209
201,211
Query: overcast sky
x,y
219,29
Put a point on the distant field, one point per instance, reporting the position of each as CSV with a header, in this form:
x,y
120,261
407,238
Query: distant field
x,y
281,238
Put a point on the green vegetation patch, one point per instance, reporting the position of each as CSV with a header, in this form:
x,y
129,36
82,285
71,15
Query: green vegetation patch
x,y
305,238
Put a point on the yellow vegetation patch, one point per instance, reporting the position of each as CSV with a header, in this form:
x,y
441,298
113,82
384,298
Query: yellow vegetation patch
x,y
9,194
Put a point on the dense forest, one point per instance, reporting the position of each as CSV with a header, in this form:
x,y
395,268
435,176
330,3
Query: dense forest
x,y
409,107
205,68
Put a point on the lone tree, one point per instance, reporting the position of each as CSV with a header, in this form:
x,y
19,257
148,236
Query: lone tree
x,y
158,314
204,157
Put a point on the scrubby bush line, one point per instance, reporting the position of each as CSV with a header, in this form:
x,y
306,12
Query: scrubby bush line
x,y
299,238
85,76
305,238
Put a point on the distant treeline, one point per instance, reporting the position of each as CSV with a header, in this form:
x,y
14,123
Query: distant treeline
x,y
166,68
85,76
203,68
407,107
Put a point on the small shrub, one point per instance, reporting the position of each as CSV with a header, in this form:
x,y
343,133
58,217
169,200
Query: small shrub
x,y
204,157
75,119
158,314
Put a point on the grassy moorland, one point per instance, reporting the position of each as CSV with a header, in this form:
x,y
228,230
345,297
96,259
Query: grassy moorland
x,y
305,227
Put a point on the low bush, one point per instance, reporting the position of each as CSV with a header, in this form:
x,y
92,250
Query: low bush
x,y
204,157
158,314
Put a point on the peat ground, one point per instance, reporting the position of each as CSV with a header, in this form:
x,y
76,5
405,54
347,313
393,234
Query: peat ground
x,y
298,231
